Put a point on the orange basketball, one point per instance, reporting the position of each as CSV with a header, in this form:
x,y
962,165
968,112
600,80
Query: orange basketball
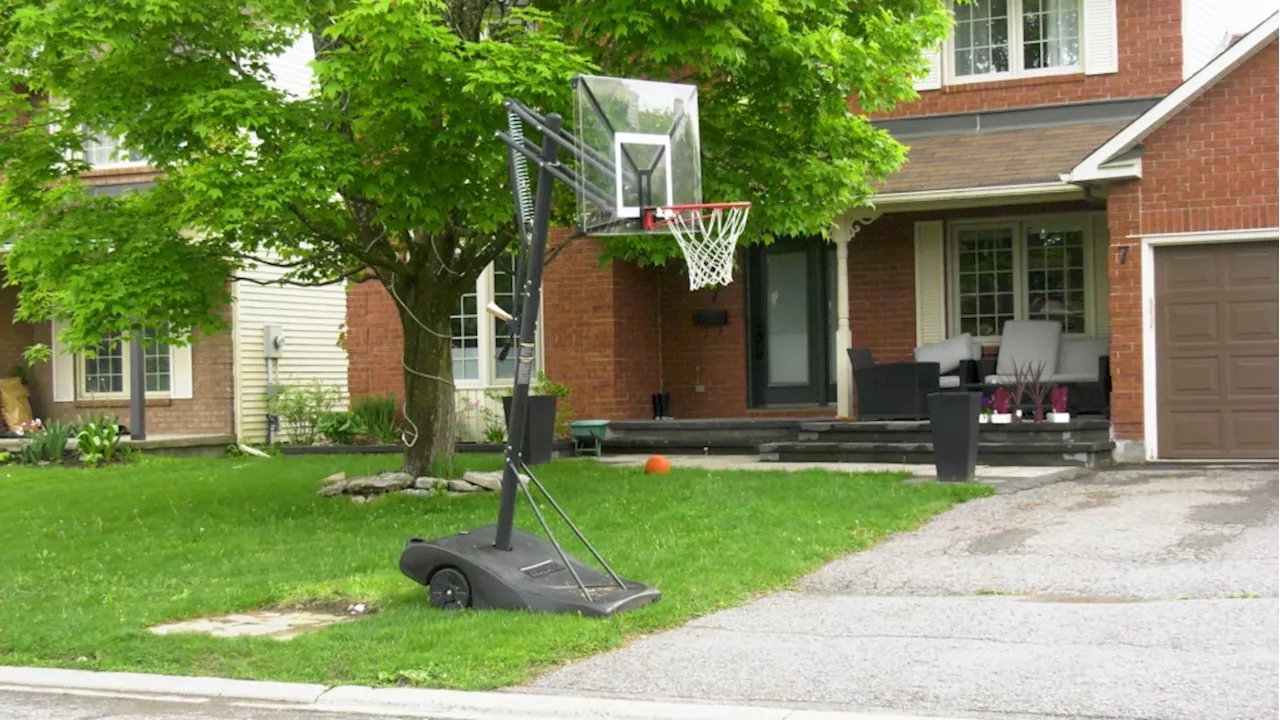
x,y
656,464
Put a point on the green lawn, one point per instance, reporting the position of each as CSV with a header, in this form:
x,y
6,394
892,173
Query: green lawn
x,y
90,558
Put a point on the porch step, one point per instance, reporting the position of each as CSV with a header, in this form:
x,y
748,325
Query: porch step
x,y
737,436
1077,453
1080,430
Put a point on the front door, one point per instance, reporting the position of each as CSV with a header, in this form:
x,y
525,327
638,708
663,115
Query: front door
x,y
791,287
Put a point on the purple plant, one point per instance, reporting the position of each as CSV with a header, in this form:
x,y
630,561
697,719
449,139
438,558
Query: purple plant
x,y
1058,397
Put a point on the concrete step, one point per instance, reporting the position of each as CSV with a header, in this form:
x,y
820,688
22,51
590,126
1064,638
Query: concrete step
x,y
1079,454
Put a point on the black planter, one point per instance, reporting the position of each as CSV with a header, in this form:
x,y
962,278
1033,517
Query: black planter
x,y
953,422
539,429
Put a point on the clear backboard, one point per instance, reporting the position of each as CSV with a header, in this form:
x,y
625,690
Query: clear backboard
x,y
639,148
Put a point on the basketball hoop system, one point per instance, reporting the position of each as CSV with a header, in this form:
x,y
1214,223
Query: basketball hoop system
x,y
707,235
634,163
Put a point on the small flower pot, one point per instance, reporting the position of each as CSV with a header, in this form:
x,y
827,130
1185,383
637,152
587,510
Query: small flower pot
x,y
984,418
1001,418
1059,417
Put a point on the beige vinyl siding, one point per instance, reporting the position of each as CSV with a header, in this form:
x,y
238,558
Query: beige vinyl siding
x,y
311,320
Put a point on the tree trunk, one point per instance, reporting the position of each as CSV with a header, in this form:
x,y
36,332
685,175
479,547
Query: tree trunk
x,y
428,378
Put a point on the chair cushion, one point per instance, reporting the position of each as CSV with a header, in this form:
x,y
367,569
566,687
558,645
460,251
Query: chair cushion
x,y
1079,356
947,353
948,381
1029,342
1057,378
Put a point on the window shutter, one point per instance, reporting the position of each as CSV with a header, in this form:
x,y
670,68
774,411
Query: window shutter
x,y
1101,277
64,367
931,305
181,385
1100,52
932,80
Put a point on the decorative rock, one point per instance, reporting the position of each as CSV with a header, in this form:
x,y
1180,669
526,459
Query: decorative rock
x,y
487,480
415,492
359,499
333,485
386,482
462,486
427,483
490,480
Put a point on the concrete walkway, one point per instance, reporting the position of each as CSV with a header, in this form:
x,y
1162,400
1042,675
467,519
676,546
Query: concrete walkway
x,y
1132,594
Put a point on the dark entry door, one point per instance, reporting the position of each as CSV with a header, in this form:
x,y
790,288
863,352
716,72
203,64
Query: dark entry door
x,y
791,348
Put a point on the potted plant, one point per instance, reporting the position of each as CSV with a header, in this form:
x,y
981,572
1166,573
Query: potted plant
x,y
544,421
988,409
1000,407
953,425
1058,400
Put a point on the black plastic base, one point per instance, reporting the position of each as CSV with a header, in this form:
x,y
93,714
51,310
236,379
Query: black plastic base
x,y
530,576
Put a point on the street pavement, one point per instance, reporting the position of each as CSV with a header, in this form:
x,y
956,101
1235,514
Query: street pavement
x,y
1146,593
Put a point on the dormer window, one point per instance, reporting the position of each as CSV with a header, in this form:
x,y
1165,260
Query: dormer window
x,y
999,39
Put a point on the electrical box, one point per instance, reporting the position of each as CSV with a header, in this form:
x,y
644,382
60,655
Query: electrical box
x,y
272,341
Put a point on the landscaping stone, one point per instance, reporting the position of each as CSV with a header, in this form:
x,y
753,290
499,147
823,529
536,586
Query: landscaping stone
x,y
418,493
490,480
427,483
359,499
386,482
462,486
335,478
333,489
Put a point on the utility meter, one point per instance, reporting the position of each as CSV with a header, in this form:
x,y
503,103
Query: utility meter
x,y
272,341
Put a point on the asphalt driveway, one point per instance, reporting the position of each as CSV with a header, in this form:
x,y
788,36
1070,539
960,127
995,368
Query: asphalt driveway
x,y
1133,594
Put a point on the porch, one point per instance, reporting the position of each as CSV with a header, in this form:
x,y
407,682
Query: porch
x,y
1082,442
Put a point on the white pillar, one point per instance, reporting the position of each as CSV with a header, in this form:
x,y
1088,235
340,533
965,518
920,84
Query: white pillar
x,y
844,339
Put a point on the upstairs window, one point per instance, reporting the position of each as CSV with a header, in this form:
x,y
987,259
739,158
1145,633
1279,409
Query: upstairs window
x,y
104,151
998,39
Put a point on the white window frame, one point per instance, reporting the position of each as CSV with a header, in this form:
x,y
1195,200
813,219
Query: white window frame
x,y
1016,70
487,375
82,391
115,164
1082,222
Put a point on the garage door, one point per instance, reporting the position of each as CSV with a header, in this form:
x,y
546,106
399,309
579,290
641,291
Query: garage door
x,y
1217,337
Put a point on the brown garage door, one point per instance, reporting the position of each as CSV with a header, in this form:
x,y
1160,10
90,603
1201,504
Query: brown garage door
x,y
1217,337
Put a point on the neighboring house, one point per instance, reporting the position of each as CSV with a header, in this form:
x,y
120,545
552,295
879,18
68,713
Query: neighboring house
x,y
1110,164
217,384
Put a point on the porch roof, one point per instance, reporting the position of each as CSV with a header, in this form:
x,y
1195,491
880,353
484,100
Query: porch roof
x,y
996,158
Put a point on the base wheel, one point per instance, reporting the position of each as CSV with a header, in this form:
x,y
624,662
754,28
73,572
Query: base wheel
x,y
448,589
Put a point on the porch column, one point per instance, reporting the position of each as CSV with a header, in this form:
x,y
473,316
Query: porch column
x,y
137,389
844,339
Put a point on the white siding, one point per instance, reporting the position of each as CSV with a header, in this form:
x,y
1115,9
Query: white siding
x,y
292,74
1206,25
311,320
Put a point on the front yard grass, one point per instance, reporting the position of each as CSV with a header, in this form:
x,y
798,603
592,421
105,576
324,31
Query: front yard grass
x,y
91,558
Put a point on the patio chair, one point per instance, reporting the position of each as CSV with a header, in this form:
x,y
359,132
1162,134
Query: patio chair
x,y
892,391
957,359
1081,364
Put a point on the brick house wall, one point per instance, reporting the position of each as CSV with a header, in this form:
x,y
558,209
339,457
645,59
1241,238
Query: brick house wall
x,y
1214,166
375,342
1149,43
210,411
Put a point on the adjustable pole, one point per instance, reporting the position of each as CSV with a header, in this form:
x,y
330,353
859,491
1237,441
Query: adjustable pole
x,y
528,329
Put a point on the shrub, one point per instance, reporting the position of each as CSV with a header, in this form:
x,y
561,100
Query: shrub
x,y
47,445
98,440
379,415
300,408
341,428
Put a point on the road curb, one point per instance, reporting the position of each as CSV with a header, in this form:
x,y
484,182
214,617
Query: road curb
x,y
437,704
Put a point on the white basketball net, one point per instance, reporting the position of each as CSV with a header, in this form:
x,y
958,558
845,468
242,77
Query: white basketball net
x,y
707,235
